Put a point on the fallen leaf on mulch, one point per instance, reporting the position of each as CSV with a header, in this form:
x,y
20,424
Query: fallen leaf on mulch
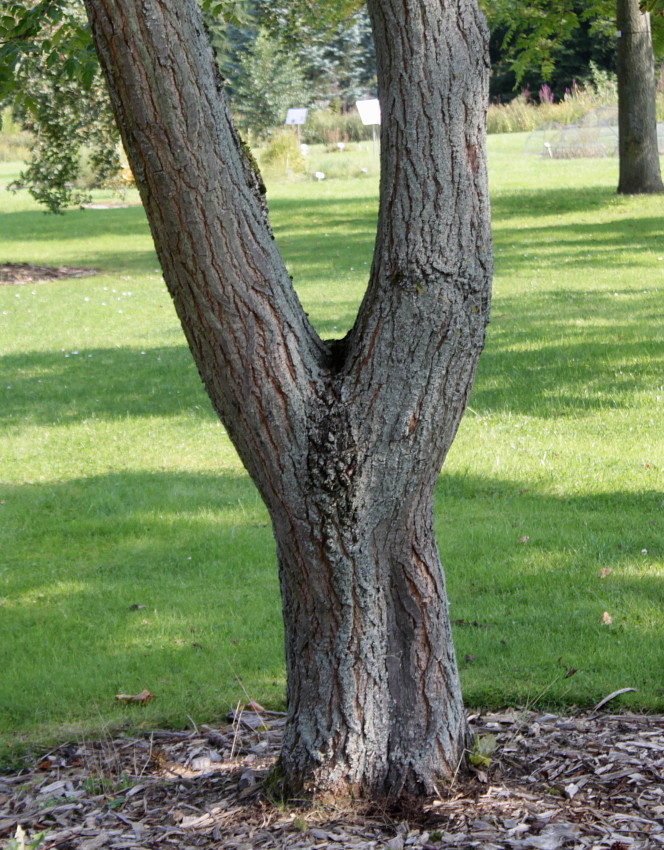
x,y
142,698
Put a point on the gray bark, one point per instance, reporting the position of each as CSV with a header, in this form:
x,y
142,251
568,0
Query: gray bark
x,y
344,439
640,171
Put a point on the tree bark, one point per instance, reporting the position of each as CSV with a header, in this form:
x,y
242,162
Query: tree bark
x,y
640,171
343,438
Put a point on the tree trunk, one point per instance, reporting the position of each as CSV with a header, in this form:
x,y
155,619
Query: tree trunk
x,y
637,121
343,438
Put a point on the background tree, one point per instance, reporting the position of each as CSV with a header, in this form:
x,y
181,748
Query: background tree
x,y
637,119
50,75
567,60
268,81
336,50
343,438
533,29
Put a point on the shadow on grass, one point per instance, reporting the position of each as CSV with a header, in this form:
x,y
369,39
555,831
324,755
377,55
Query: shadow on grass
x,y
566,536
297,225
613,244
108,240
108,383
37,225
562,353
530,576
551,246
548,201
569,352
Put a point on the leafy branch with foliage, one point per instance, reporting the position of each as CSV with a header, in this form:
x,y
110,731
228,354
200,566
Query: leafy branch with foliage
x,y
50,73
534,30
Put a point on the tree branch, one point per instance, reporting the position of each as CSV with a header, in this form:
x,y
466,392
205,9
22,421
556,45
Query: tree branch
x,y
253,345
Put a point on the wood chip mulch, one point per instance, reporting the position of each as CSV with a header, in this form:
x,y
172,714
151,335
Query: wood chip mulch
x,y
21,273
591,781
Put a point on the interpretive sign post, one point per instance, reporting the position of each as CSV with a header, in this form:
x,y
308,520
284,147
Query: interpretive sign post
x,y
297,117
370,115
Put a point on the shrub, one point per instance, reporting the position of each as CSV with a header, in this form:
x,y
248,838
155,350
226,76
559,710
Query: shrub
x,y
283,154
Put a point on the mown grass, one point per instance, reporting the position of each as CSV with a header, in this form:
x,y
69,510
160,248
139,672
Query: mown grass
x,y
119,489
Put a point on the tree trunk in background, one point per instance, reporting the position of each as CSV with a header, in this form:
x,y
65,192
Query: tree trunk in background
x,y
344,439
639,158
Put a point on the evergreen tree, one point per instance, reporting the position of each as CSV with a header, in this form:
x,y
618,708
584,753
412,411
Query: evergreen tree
x,y
269,81
341,65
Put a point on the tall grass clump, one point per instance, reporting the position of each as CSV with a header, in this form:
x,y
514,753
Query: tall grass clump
x,y
329,128
526,113
518,116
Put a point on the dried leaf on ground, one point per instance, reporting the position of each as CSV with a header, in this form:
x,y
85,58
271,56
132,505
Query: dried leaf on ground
x,y
144,697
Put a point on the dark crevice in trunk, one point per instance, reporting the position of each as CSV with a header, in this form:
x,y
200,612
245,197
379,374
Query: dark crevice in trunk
x,y
337,351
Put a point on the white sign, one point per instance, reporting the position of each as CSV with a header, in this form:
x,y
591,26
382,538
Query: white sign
x,y
369,111
296,116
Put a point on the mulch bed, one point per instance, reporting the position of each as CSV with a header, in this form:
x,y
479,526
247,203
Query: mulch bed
x,y
21,273
592,781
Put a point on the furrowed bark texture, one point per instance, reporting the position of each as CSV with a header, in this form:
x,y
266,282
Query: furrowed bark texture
x,y
343,439
640,171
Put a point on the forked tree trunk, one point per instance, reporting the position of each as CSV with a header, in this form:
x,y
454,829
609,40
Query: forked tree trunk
x,y
344,439
640,171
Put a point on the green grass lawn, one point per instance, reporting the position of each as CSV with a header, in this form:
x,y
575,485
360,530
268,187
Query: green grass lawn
x,y
135,553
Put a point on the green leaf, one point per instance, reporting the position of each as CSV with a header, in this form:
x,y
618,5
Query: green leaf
x,y
480,755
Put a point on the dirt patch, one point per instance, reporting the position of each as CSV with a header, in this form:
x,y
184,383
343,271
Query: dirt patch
x,y
553,782
21,273
117,205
